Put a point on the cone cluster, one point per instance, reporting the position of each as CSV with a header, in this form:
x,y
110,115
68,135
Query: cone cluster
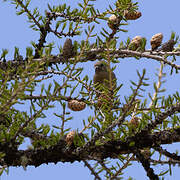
x,y
156,42
114,21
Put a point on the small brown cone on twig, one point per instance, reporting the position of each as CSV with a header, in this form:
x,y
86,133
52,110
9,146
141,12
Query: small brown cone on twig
x,y
135,43
76,105
168,46
70,137
67,48
132,15
156,41
113,22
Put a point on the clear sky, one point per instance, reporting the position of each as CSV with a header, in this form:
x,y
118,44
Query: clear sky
x,y
157,16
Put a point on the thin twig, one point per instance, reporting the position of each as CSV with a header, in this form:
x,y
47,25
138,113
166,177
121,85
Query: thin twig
x,y
169,162
122,168
108,171
92,170
29,13
158,84
166,153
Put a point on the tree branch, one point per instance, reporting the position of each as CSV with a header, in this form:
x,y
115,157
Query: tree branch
x,y
146,164
88,57
111,149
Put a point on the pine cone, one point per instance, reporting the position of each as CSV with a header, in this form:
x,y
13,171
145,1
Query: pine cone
x,y
67,48
132,15
76,105
114,22
168,46
70,137
156,41
135,43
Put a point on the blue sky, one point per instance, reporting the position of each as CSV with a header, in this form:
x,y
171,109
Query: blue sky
x,y
157,16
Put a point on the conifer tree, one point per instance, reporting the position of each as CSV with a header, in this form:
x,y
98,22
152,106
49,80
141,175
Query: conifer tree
x,y
50,86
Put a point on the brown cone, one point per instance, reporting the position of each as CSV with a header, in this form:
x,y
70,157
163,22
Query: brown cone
x,y
135,43
168,46
70,137
76,105
132,15
113,22
67,48
156,41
